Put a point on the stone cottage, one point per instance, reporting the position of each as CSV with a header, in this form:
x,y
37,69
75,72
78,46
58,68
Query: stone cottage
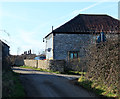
x,y
70,40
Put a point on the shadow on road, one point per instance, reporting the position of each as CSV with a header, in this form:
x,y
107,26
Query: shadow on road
x,y
44,84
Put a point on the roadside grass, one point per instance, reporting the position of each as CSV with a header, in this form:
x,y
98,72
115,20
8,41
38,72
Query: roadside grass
x,y
39,69
74,72
96,87
11,85
57,72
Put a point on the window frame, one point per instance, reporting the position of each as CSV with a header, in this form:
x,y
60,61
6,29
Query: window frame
x,y
73,52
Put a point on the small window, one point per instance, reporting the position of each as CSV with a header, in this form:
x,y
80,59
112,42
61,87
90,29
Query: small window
x,y
101,38
73,54
49,49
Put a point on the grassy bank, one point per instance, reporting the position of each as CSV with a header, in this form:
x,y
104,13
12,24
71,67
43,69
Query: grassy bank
x,y
11,85
96,87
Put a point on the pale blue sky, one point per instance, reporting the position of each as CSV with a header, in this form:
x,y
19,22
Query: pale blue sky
x,y
29,22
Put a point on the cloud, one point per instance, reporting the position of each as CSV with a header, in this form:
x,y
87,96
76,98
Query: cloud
x,y
76,12
86,8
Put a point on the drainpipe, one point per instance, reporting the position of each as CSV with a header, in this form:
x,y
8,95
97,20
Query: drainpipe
x,y
101,37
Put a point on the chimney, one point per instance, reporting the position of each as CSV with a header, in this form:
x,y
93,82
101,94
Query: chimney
x,y
30,51
52,28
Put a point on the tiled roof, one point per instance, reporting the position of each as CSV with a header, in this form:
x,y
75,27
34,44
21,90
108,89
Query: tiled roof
x,y
89,23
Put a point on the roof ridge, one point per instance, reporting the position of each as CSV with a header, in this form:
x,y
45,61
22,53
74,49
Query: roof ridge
x,y
95,14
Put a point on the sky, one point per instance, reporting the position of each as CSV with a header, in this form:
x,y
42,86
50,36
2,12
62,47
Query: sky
x,y
25,24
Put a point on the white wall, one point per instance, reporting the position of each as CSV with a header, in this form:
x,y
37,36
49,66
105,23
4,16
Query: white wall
x,y
49,44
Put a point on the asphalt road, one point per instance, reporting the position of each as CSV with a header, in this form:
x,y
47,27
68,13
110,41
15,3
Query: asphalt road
x,y
44,84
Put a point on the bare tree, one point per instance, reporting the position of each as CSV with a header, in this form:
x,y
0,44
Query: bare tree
x,y
18,50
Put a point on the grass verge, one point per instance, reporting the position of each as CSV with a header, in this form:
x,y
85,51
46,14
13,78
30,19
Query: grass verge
x,y
39,69
11,85
96,87
57,72
74,73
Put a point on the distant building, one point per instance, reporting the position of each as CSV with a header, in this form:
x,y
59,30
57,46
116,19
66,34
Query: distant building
x,y
28,55
25,52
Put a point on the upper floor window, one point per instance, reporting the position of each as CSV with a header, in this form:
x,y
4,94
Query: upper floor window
x,y
101,38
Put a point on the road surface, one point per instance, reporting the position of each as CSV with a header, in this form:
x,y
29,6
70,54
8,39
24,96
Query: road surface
x,y
44,84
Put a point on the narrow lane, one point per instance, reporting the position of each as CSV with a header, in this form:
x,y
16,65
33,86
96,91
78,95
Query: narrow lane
x,y
43,84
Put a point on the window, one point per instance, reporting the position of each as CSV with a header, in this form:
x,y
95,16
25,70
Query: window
x,y
49,49
101,38
73,54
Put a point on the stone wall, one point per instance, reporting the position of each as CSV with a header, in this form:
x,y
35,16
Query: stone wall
x,y
43,64
54,65
63,43
31,63
18,61
57,65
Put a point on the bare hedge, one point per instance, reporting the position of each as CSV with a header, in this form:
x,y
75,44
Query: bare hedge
x,y
104,65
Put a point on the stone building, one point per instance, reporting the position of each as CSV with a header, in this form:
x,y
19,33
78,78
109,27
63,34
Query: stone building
x,y
4,54
5,49
70,40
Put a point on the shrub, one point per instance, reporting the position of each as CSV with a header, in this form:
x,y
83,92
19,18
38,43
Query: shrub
x,y
103,64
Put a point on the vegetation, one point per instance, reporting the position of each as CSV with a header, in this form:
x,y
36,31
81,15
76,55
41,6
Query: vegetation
x,y
104,68
11,85
57,72
98,88
74,72
39,69
78,64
